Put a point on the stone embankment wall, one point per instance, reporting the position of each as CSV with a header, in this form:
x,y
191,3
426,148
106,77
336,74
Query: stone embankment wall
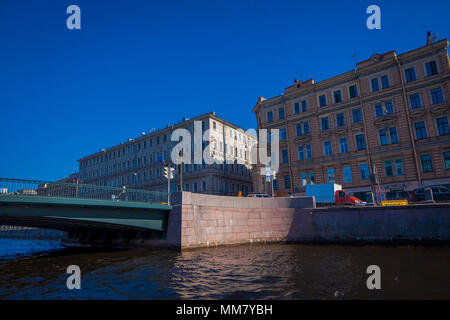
x,y
408,224
199,220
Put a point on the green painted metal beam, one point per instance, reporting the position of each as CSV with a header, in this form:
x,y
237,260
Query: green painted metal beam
x,y
82,202
140,215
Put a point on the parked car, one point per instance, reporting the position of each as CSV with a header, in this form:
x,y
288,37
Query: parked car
x,y
440,193
258,195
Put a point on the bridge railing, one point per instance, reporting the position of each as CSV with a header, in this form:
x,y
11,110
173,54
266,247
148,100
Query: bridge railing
x,y
19,187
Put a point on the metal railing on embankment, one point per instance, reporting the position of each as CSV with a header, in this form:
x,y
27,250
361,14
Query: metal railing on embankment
x,y
34,188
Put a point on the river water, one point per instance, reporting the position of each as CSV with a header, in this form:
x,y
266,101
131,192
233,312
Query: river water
x,y
37,270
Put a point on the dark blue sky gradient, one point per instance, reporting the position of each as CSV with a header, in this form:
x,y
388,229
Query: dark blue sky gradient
x,y
137,65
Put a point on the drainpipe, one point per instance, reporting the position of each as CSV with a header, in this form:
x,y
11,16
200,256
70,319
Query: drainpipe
x,y
411,136
225,166
289,148
372,187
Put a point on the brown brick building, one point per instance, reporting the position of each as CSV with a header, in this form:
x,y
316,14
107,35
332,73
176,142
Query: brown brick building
x,y
391,113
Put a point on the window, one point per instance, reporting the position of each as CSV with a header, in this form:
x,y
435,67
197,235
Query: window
x,y
308,151
337,96
386,139
343,145
306,127
410,74
301,155
322,100
374,83
281,113
283,134
325,123
442,124
304,106
327,149
379,109
360,142
383,137
331,176
287,182
393,135
415,101
203,185
340,120
356,115
347,174
284,156
427,166
364,170
431,68
436,96
303,179
299,129
302,128
399,167
384,108
311,177
275,184
385,82
446,160
296,107
421,132
353,90
388,168
269,116
214,125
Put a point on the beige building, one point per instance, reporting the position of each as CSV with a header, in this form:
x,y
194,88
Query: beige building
x,y
391,113
139,162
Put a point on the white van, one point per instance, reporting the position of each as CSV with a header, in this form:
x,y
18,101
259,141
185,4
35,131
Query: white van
x,y
258,195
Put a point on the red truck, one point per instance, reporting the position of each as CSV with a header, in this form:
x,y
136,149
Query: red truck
x,y
332,193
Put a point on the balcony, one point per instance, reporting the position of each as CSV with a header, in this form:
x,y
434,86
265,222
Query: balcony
x,y
303,137
357,126
417,113
385,119
440,108
325,133
341,129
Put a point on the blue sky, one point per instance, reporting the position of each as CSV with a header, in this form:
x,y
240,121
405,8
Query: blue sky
x,y
137,65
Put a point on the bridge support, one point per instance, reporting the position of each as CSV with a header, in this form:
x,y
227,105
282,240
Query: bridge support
x,y
113,238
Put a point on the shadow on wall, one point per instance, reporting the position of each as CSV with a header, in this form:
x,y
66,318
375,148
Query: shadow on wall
x,y
397,224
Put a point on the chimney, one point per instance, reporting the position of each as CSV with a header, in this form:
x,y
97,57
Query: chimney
x,y
428,38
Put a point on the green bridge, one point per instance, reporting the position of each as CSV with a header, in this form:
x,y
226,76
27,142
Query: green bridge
x,y
82,208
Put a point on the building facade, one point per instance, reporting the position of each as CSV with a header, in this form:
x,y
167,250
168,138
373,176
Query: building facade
x,y
387,119
139,163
